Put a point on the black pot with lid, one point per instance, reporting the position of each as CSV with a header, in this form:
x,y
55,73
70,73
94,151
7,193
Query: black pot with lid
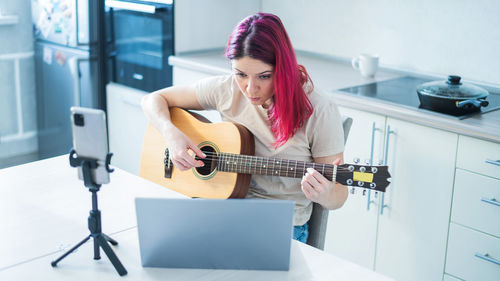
x,y
452,96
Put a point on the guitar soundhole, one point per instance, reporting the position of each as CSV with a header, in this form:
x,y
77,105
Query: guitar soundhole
x,y
210,161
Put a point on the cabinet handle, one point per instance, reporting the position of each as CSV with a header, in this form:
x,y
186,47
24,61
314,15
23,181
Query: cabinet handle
x,y
491,201
368,198
374,128
129,6
493,162
487,257
74,69
382,204
388,132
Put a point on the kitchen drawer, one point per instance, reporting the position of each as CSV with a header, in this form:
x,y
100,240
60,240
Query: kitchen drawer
x,y
464,247
475,202
479,156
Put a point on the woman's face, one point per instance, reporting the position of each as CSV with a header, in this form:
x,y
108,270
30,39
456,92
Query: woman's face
x,y
255,79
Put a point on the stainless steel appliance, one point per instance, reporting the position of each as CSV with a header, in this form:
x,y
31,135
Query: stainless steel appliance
x,y
66,67
142,39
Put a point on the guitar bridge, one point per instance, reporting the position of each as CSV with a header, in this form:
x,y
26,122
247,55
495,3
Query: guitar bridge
x,y
167,165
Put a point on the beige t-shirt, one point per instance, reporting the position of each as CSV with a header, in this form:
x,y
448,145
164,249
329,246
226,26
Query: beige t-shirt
x,y
321,136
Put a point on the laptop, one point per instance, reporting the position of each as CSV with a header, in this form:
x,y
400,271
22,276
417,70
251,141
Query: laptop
x,y
214,233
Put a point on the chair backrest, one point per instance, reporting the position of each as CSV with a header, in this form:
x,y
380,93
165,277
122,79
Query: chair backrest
x,y
319,217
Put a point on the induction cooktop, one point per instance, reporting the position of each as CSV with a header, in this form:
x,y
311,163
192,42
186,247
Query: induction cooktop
x,y
403,90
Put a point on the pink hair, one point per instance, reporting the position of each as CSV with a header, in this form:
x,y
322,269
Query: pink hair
x,y
262,36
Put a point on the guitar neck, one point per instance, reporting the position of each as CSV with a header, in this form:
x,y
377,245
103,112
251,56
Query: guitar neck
x,y
247,164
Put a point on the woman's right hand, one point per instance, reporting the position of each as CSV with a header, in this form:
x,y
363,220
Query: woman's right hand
x,y
178,146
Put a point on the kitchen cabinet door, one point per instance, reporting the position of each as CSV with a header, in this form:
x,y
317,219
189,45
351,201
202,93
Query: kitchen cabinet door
x,y
126,126
352,229
413,224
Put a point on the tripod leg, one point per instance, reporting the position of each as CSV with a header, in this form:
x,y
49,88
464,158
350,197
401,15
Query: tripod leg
x,y
97,254
111,255
110,240
54,263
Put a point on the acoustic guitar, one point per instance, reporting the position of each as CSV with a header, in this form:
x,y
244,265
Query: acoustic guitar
x,y
230,161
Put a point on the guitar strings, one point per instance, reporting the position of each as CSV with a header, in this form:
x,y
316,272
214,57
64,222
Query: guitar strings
x,y
217,156
269,161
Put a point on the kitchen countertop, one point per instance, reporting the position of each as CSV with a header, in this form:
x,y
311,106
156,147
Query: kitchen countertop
x,y
330,74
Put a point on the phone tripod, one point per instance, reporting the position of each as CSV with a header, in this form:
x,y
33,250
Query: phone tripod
x,y
94,221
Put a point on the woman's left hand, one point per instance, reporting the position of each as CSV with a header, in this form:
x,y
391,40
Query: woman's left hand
x,y
316,187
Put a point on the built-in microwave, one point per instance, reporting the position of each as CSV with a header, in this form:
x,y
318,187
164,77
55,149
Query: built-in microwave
x,y
141,38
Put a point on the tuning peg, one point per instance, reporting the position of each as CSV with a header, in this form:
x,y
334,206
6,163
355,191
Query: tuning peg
x,y
376,194
349,182
367,161
374,170
364,192
362,169
356,160
353,190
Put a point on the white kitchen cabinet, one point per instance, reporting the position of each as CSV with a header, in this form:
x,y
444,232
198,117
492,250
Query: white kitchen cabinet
x,y
482,157
352,229
413,227
474,245
126,126
476,202
472,255
407,238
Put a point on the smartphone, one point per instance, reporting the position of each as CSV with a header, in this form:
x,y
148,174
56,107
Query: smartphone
x,y
90,140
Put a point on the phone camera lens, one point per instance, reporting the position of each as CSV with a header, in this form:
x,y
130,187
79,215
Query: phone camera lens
x,y
79,121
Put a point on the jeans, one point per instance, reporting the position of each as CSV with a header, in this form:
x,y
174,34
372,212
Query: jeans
x,y
301,232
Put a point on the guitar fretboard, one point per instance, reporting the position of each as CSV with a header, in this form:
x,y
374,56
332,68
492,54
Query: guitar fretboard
x,y
246,164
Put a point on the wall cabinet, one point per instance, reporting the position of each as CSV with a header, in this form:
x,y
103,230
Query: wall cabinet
x,y
403,232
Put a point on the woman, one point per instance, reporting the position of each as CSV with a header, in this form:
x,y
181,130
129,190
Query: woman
x,y
272,96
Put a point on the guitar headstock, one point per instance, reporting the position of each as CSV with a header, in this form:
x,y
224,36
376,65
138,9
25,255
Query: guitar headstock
x,y
364,176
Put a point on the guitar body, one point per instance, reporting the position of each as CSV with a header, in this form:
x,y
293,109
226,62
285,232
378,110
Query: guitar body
x,y
211,138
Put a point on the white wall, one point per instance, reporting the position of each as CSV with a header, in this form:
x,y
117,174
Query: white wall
x,y
201,24
437,37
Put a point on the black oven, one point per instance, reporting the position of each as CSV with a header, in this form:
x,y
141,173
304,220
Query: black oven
x,y
141,38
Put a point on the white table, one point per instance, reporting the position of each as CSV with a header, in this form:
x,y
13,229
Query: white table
x,y
44,210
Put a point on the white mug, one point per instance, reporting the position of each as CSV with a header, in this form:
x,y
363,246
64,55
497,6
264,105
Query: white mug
x,y
367,64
